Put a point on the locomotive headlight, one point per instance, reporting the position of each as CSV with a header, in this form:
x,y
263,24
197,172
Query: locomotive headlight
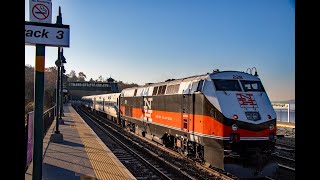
x,y
269,117
234,127
235,116
271,127
253,116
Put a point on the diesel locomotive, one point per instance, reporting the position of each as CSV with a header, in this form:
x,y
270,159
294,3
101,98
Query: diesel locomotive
x,y
223,119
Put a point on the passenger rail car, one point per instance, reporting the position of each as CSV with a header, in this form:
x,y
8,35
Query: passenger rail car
x,y
224,118
106,103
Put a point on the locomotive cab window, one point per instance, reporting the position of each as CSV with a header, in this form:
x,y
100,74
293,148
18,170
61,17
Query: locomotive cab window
x,y
252,86
227,85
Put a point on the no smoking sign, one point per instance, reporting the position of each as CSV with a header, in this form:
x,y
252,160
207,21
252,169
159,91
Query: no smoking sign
x,y
40,11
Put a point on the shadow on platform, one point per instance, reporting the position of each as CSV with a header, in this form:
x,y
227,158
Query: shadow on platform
x,y
54,172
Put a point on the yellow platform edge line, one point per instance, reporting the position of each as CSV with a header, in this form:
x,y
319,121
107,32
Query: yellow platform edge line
x,y
124,173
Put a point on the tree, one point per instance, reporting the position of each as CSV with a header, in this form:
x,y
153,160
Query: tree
x,y
91,80
100,79
50,77
29,84
81,77
123,85
72,76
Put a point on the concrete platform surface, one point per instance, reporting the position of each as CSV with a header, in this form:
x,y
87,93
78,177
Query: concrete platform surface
x,y
81,155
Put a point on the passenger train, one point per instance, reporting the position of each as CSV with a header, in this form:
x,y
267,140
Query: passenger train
x,y
224,119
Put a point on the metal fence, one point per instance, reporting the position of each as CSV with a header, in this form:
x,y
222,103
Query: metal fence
x,y
48,118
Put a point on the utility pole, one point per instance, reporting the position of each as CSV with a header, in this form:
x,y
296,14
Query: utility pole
x,y
63,60
57,137
58,64
38,112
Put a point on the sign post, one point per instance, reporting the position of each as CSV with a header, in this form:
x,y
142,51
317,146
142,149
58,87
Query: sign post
x,y
40,32
38,112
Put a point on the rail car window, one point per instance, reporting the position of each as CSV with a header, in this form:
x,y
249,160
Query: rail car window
x,y
135,92
155,89
162,89
227,85
252,86
172,89
159,90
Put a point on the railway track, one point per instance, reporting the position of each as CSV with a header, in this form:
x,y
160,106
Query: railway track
x,y
176,161
285,146
137,160
286,168
285,162
285,173
291,150
285,150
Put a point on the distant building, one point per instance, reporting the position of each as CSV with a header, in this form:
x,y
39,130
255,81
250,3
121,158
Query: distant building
x,y
78,89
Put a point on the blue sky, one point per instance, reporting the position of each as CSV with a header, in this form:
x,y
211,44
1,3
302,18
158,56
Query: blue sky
x,y
142,41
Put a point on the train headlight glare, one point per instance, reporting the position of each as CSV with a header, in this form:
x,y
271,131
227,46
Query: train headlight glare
x,y
235,116
234,127
271,127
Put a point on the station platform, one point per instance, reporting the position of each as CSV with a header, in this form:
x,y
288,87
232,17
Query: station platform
x,y
286,130
285,125
81,155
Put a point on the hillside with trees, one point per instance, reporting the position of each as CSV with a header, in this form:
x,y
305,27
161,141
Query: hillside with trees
x,y
50,80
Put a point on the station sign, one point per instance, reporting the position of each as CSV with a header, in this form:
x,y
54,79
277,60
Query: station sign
x,y
40,11
280,105
47,34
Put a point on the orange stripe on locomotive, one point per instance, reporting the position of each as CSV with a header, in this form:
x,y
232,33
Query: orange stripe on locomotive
x,y
202,124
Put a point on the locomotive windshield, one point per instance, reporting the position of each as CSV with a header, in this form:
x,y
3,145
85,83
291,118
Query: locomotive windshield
x,y
227,85
252,86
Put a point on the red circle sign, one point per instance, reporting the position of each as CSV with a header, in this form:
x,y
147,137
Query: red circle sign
x,y
40,11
